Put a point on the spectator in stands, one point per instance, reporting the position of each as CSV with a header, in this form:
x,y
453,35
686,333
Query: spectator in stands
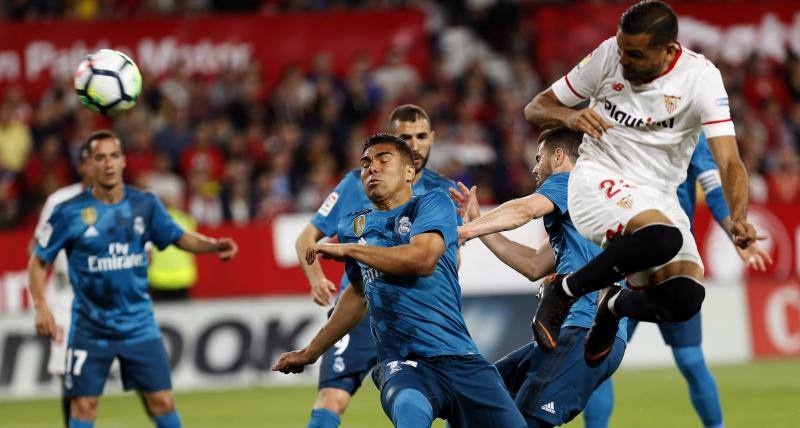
x,y
784,179
15,140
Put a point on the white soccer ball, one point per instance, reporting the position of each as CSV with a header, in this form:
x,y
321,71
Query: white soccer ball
x,y
108,82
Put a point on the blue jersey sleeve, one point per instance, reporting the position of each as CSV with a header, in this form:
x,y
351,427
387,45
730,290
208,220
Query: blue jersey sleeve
x,y
555,189
704,169
163,229
327,217
54,235
436,212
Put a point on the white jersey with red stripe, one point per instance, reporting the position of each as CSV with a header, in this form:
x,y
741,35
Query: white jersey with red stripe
x,y
656,124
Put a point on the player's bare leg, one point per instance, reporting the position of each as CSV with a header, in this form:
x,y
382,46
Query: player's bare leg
x,y
161,406
330,402
648,240
83,411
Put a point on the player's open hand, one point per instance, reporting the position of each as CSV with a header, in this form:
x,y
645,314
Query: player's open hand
x,y
337,252
293,362
743,233
755,257
226,248
46,324
466,200
323,290
589,122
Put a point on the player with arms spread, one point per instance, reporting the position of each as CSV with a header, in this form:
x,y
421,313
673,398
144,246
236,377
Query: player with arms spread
x,y
401,260
104,230
649,100
344,366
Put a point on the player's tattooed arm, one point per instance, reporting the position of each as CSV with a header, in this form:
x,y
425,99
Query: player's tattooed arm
x,y
349,311
37,274
547,111
734,185
194,242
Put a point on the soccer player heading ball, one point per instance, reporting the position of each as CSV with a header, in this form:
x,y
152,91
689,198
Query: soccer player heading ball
x,y
650,98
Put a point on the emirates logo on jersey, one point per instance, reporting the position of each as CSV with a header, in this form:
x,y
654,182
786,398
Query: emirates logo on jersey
x,y
671,103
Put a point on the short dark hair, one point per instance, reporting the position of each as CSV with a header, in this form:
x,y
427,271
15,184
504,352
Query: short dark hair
x,y
562,138
652,17
407,113
383,138
86,147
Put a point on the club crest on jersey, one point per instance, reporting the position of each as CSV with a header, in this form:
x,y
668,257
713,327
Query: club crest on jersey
x,y
402,226
626,202
89,215
138,225
358,224
671,103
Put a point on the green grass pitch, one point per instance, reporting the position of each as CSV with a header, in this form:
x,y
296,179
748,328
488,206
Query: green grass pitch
x,y
763,394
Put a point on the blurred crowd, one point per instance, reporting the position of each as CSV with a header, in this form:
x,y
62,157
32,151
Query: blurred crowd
x,y
231,150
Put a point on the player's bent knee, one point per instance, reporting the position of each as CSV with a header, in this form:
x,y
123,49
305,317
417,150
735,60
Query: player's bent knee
x,y
410,408
680,298
333,399
84,408
160,403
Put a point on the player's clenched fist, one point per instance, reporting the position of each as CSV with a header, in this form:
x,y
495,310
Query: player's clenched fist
x,y
588,121
226,248
743,233
293,362
337,252
45,324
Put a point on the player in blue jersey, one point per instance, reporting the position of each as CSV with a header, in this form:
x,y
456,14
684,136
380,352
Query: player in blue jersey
x,y
685,337
401,258
549,388
104,230
344,366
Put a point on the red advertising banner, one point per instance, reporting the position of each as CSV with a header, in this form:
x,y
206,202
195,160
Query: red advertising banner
x,y
566,33
774,318
33,54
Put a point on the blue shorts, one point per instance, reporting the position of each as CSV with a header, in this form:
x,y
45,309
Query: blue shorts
x,y
555,387
345,365
465,390
143,366
677,334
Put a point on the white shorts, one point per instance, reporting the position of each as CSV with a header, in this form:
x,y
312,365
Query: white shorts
x,y
60,304
602,202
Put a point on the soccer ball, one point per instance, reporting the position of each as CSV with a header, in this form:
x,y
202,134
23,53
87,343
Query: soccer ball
x,y
108,82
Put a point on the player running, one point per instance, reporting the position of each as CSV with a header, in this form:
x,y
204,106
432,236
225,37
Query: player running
x,y
650,98
548,388
104,230
401,260
685,337
344,366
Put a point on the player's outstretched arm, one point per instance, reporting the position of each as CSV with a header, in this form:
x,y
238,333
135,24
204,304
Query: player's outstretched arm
x,y
349,311
37,274
198,243
322,288
734,185
508,216
547,111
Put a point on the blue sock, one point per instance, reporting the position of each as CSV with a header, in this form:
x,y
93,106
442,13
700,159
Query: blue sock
x,y
702,387
75,423
168,420
410,409
597,412
323,418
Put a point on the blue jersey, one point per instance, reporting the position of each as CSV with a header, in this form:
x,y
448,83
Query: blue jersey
x,y
349,196
107,260
411,315
702,168
572,251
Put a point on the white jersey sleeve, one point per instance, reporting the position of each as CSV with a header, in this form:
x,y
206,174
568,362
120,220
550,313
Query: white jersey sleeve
x,y
711,103
583,81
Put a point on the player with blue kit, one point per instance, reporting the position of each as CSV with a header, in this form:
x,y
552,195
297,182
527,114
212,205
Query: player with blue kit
x,y
344,366
104,230
685,338
401,257
548,388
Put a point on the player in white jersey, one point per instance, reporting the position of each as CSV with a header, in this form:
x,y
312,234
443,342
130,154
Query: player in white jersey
x,y
59,290
649,98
